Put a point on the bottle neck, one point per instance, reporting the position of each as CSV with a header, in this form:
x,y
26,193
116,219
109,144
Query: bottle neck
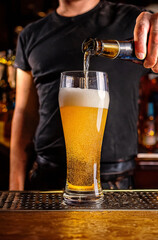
x,y
117,49
107,48
110,49
127,50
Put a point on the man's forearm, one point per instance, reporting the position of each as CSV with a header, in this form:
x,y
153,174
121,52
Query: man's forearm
x,y
21,138
17,173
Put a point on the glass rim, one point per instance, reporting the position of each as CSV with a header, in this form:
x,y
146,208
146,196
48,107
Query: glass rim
x,y
81,71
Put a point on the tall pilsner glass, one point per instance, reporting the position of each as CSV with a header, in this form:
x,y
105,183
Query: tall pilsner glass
x,y
83,107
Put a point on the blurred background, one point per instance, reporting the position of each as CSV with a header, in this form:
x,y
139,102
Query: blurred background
x,y
14,16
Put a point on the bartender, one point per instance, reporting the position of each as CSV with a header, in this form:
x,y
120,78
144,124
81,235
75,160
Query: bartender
x,y
52,45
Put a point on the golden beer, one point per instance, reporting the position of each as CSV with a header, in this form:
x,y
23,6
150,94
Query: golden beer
x,y
83,114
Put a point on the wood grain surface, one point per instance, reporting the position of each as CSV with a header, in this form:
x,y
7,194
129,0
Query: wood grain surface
x,y
87,225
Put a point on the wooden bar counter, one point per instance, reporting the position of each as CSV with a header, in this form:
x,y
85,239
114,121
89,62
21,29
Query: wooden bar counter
x,y
130,215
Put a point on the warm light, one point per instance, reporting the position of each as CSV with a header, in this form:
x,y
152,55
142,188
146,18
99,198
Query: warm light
x,y
18,29
151,133
41,14
3,60
154,81
151,118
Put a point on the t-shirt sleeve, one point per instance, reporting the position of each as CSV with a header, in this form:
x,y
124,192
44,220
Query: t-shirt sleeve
x,y
21,59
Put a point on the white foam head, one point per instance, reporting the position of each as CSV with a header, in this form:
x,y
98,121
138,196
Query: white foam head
x,y
83,98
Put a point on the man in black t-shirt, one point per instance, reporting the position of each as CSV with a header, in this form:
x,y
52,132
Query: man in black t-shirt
x,y
53,45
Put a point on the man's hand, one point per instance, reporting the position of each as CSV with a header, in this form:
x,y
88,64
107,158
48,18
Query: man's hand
x,y
146,39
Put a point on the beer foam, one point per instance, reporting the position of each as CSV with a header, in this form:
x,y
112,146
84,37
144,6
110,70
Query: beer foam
x,y
83,98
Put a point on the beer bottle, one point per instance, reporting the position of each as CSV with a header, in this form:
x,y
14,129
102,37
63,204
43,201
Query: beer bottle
x,y
110,49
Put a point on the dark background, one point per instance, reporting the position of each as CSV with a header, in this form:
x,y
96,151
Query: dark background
x,y
15,13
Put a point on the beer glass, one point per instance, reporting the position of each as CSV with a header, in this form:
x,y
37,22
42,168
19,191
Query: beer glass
x,y
83,101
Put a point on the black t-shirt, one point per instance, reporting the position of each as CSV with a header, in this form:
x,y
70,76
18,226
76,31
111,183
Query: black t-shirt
x,y
53,45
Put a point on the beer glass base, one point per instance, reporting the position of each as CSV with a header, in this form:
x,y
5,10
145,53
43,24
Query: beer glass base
x,y
83,198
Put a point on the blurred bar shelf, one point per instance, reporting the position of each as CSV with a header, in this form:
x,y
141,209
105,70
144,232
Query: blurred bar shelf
x,y
147,160
146,171
147,156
